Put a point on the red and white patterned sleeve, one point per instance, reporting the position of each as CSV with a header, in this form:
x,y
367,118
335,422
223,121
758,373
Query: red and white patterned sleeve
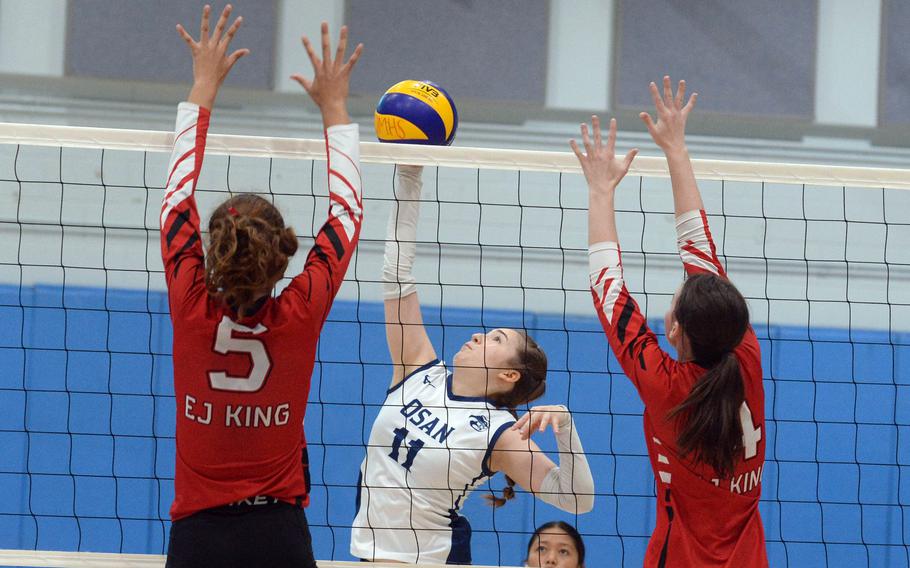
x,y
634,344
698,254
181,244
696,247
315,288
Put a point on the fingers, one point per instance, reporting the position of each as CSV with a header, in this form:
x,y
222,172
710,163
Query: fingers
x,y
186,36
611,136
646,118
680,94
326,43
595,123
574,146
521,421
229,36
691,104
627,161
655,96
668,92
549,418
586,140
222,21
303,81
204,24
311,52
349,66
237,55
342,46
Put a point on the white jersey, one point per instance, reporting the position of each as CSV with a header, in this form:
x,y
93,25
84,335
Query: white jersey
x,y
428,450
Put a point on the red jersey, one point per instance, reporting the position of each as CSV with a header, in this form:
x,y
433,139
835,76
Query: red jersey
x,y
241,385
701,520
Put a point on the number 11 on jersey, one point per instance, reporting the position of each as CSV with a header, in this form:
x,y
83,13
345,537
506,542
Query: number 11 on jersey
x,y
413,447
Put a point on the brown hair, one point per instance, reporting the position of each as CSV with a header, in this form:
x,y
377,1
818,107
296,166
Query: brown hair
x,y
531,362
714,317
249,249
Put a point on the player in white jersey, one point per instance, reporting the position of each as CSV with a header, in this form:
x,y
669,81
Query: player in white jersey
x,y
442,431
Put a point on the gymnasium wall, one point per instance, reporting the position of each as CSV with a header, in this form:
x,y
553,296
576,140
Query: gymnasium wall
x,y
93,472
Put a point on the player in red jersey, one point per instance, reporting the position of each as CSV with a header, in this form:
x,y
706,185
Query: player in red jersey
x,y
704,411
243,358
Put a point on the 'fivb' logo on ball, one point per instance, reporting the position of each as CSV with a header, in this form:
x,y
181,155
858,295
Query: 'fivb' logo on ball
x,y
416,112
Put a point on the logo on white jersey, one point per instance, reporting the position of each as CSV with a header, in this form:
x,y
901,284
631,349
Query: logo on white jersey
x,y
479,423
428,381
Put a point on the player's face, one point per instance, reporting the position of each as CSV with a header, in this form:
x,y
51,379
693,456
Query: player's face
x,y
494,351
553,548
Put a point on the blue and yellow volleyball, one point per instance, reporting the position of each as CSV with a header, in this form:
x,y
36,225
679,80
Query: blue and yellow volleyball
x,y
416,112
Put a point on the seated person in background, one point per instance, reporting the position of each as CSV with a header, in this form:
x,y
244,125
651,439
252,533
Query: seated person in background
x,y
556,544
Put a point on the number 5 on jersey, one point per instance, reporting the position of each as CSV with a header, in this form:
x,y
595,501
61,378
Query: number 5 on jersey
x,y
225,343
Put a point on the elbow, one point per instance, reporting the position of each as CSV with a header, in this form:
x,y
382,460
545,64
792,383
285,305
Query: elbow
x,y
585,504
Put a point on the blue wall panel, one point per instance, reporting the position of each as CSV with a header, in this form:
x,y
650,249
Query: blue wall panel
x,y
87,425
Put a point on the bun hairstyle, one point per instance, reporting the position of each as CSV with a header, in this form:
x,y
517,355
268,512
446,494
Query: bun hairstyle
x,y
531,362
249,249
714,317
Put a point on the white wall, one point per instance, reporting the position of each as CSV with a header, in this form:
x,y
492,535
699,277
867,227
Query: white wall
x,y
32,37
847,62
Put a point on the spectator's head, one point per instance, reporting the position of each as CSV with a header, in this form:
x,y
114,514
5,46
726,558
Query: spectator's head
x,y
556,545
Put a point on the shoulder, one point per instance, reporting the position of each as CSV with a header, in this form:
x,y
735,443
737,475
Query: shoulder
x,y
430,375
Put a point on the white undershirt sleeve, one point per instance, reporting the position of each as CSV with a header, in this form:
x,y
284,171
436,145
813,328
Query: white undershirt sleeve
x,y
569,486
401,234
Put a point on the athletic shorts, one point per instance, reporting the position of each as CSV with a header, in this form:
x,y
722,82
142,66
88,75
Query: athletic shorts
x,y
259,531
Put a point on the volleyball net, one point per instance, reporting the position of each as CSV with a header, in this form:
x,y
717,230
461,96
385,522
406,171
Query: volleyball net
x,y
87,410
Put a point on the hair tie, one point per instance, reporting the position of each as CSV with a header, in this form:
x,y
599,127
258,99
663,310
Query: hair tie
x,y
232,211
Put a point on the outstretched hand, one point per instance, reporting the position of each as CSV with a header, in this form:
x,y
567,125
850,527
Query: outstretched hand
x,y
539,417
602,168
211,62
331,76
669,132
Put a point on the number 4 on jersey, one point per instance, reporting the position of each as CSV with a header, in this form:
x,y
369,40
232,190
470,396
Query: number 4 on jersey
x,y
751,434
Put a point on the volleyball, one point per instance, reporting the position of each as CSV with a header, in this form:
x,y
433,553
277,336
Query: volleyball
x,y
416,112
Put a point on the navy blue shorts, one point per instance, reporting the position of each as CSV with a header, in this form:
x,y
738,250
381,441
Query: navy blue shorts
x,y
259,531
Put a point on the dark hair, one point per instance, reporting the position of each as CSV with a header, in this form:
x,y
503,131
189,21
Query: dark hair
x,y
531,362
566,528
714,317
249,249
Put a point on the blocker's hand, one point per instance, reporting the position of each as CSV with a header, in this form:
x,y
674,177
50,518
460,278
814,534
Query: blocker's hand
x,y
211,62
602,168
331,76
669,132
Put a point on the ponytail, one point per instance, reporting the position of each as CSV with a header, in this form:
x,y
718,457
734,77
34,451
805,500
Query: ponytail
x,y
711,431
714,317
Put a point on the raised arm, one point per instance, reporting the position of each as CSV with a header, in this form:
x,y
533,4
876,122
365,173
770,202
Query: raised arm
x,y
568,486
626,328
669,133
696,248
409,344
328,260
181,246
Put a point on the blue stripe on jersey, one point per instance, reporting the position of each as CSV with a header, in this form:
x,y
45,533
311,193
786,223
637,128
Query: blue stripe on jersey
x,y
460,552
453,396
485,464
423,367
